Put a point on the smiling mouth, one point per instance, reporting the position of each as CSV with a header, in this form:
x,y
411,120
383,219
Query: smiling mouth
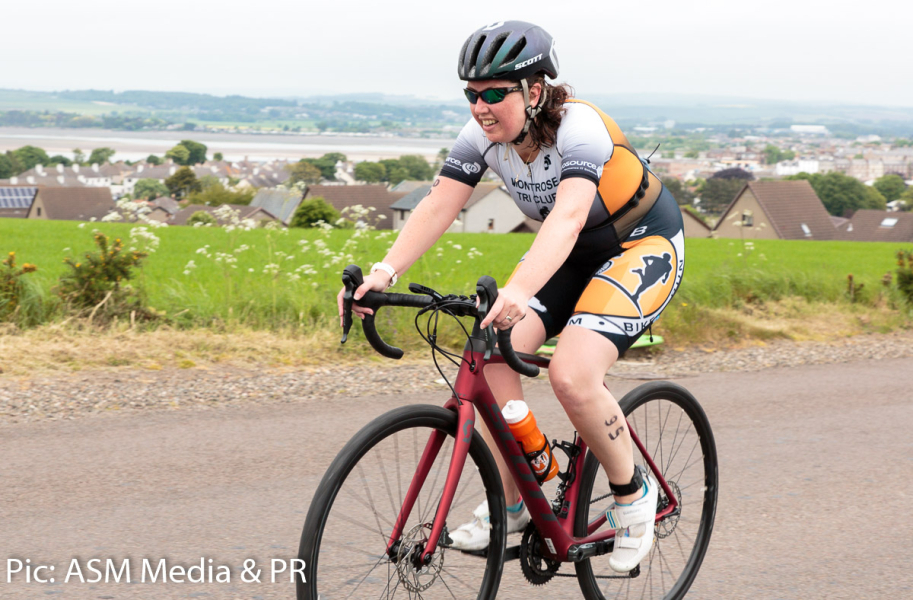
x,y
488,122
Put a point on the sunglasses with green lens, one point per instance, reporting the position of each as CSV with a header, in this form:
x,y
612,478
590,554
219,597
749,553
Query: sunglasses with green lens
x,y
491,95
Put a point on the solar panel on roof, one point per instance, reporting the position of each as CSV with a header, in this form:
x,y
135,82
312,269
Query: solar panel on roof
x,y
17,197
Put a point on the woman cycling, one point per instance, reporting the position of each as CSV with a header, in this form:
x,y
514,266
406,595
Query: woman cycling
x,y
606,261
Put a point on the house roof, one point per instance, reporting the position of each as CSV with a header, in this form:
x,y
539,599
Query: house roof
x,y
76,203
877,226
687,214
411,200
789,205
279,201
169,205
409,185
343,196
244,212
15,200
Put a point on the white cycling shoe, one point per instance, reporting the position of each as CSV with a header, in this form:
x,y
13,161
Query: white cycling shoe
x,y
634,524
475,534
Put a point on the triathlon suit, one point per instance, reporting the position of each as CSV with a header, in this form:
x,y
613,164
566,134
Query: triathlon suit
x,y
628,260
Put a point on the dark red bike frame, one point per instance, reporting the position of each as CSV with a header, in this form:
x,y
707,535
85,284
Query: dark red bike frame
x,y
472,392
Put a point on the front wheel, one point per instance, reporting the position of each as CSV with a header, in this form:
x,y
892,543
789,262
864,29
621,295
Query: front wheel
x,y
676,433
345,537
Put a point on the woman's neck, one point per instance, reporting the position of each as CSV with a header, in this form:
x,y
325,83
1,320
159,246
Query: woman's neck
x,y
527,151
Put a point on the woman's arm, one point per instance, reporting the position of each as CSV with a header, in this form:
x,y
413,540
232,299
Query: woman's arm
x,y
552,246
427,223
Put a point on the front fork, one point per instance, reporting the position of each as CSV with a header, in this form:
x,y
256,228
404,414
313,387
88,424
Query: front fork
x,y
465,423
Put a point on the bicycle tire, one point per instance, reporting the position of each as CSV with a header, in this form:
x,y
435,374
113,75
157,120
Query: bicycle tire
x,y
331,535
694,479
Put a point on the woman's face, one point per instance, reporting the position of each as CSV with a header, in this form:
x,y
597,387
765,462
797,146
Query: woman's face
x,y
502,122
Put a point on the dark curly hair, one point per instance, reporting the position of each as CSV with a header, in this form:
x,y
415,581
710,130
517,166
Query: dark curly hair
x,y
544,129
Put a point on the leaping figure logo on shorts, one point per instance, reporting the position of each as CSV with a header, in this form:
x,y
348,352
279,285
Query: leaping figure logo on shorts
x,y
656,269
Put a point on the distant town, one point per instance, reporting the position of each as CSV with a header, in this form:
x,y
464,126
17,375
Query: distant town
x,y
830,181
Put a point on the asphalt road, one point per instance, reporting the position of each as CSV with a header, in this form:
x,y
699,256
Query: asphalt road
x,y
816,468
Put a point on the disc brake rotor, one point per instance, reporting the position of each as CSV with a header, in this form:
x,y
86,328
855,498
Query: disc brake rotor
x,y
667,526
417,578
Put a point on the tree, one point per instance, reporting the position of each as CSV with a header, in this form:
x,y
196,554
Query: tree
x,y
79,157
216,195
201,216
59,159
197,151
303,171
442,155
679,190
313,210
217,156
100,156
716,194
891,186
29,156
149,189
9,166
907,198
773,155
183,182
370,172
326,164
179,154
733,173
417,167
841,194
152,159
335,157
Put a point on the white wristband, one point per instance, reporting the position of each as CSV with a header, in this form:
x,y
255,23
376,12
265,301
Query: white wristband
x,y
386,268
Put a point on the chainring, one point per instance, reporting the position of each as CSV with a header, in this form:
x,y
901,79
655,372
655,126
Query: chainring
x,y
537,569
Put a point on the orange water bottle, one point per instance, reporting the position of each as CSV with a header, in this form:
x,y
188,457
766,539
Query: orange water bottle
x,y
534,445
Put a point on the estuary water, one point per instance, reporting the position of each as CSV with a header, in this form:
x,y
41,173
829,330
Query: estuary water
x,y
135,145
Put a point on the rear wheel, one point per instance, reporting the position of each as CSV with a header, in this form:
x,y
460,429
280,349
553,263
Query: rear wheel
x,y
676,433
349,523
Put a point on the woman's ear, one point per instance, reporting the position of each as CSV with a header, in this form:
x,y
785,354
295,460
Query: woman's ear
x,y
535,94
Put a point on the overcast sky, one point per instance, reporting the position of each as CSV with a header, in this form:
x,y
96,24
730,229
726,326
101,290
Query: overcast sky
x,y
777,49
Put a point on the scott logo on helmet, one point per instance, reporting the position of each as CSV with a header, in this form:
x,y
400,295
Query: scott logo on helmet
x,y
526,63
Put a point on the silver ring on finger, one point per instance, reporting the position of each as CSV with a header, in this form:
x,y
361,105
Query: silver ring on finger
x,y
508,318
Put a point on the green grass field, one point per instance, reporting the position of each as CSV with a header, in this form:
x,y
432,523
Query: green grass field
x,y
299,289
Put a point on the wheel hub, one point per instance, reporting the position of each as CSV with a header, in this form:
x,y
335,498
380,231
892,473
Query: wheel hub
x,y
415,575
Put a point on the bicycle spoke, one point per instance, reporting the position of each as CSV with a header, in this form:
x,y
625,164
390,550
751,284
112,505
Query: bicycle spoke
x,y
383,471
678,427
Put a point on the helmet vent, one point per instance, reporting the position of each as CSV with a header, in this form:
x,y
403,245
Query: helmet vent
x,y
515,51
493,50
475,53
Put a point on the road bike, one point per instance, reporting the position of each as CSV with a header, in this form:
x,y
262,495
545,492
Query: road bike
x,y
378,523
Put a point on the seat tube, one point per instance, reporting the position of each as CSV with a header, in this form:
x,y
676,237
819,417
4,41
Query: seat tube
x,y
465,424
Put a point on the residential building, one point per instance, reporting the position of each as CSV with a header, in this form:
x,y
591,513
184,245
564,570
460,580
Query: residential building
x,y
371,195
695,227
785,210
16,200
71,203
877,226
489,209
281,202
254,213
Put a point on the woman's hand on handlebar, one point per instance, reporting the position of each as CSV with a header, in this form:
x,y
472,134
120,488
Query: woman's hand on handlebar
x,y
511,303
375,282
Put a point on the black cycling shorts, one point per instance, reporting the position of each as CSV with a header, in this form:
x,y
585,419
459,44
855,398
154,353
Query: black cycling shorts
x,y
617,288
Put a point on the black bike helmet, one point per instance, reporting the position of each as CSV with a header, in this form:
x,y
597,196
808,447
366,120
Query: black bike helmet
x,y
512,50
